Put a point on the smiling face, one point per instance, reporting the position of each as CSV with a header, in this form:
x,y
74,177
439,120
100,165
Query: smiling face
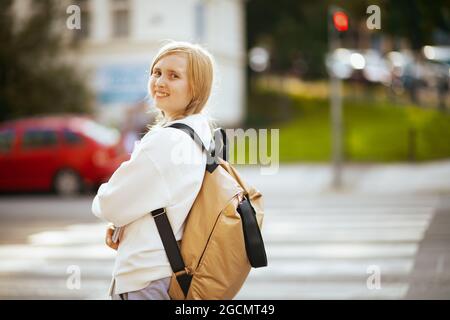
x,y
169,85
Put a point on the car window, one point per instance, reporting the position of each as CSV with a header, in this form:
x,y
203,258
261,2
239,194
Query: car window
x,y
38,138
6,140
71,137
101,134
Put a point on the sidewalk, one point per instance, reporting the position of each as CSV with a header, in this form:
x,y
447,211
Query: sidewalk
x,y
430,278
403,178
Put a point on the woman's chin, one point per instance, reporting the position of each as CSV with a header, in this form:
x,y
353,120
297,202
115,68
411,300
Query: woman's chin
x,y
159,107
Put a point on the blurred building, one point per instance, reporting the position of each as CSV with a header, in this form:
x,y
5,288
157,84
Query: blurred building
x,y
118,39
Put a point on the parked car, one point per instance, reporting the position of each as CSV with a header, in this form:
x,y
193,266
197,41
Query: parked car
x,y
66,154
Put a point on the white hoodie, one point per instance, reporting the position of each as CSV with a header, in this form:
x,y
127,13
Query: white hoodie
x,y
166,170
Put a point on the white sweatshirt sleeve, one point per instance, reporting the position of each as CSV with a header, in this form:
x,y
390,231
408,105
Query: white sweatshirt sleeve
x,y
135,189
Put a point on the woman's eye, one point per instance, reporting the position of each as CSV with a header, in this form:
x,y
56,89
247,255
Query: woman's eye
x,y
156,73
174,75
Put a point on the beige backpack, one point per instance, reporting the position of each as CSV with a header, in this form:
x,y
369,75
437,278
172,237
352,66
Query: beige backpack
x,y
221,239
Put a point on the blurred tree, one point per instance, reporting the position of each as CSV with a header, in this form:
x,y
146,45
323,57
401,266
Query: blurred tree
x,y
417,20
33,78
295,33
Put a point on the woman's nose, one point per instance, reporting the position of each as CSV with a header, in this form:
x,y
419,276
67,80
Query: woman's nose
x,y
160,82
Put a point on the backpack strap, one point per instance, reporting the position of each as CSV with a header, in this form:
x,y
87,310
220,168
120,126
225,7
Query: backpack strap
x,y
190,132
211,163
220,135
254,244
162,222
172,250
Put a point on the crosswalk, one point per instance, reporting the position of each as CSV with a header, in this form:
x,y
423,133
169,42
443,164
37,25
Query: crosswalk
x,y
52,264
318,247
335,248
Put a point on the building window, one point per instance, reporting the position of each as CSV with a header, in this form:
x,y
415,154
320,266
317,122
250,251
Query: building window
x,y
120,18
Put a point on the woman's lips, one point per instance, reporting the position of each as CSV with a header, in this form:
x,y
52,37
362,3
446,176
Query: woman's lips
x,y
160,95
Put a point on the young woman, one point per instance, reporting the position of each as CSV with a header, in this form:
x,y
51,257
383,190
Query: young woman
x,y
157,175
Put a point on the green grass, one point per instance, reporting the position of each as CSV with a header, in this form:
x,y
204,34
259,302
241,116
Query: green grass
x,y
373,132
307,137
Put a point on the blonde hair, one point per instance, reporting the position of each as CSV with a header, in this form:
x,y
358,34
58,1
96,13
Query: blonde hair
x,y
200,73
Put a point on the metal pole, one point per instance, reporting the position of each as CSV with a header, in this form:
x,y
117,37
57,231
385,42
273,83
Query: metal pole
x,y
336,109
336,129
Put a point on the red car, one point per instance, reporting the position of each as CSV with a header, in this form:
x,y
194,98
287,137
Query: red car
x,y
66,154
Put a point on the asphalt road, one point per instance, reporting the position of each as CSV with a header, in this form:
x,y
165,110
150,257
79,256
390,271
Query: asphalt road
x,y
320,245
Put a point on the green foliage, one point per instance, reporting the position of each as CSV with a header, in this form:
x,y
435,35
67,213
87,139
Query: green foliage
x,y
294,32
34,80
373,131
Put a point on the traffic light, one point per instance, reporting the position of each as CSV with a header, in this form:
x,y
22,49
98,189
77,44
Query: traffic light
x,y
338,25
340,21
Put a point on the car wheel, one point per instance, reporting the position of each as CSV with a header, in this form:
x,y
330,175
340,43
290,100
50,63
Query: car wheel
x,y
67,182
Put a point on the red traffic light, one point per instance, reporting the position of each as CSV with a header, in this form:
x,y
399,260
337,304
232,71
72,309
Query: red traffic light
x,y
340,21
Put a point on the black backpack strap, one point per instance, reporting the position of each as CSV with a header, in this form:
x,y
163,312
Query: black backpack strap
x,y
190,132
222,149
172,250
254,244
225,144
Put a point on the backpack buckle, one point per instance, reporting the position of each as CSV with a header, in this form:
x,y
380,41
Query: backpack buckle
x,y
182,272
158,212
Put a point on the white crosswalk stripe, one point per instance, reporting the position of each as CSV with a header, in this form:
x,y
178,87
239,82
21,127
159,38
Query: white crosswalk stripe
x,y
326,251
41,269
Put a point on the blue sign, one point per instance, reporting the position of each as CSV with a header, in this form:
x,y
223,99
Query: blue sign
x,y
121,83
